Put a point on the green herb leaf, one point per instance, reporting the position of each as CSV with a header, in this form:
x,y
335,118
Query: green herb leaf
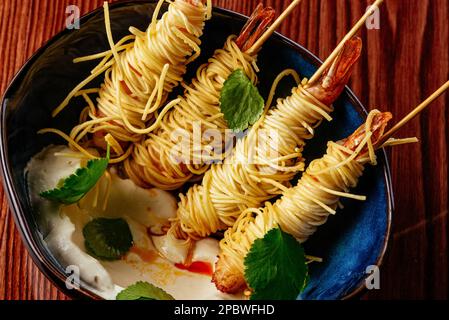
x,y
107,239
143,291
275,267
240,101
73,188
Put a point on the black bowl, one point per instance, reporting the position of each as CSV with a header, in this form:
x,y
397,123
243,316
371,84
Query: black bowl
x,y
356,238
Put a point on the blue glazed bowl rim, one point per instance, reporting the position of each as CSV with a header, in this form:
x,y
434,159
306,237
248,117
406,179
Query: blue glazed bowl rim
x,y
51,271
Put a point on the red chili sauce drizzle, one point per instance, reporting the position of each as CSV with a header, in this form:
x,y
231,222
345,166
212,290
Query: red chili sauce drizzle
x,y
200,267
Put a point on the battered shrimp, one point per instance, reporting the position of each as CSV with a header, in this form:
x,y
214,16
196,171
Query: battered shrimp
x,y
303,208
139,74
228,189
152,162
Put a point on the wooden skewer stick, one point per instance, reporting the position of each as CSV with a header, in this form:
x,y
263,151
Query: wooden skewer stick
x,y
256,46
348,36
413,114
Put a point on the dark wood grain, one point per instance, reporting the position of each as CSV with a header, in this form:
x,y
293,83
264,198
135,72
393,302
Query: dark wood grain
x,y
403,62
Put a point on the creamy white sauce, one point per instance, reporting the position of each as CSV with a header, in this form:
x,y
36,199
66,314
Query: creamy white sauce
x,y
150,260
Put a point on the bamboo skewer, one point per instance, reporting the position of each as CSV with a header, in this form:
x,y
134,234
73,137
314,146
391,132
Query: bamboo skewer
x,y
258,44
348,36
413,114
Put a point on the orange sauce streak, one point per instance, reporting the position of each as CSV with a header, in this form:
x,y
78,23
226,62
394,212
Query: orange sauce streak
x,y
200,267
144,254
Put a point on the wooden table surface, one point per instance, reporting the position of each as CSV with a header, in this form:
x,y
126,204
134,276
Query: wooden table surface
x,y
402,62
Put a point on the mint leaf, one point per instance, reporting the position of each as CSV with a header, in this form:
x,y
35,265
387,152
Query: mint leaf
x,y
240,101
275,267
143,291
73,188
107,239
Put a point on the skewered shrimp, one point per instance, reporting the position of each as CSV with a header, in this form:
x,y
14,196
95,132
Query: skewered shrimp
x,y
305,207
152,162
140,71
228,189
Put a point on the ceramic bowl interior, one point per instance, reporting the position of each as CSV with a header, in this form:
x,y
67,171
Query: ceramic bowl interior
x,y
352,240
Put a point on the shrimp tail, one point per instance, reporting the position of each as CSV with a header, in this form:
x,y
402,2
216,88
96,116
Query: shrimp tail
x,y
297,212
226,280
335,78
377,128
256,25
